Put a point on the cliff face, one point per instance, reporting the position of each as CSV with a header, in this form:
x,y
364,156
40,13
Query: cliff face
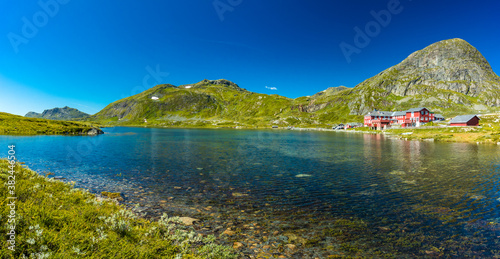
x,y
446,71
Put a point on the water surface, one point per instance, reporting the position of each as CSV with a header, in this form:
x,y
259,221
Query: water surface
x,y
328,193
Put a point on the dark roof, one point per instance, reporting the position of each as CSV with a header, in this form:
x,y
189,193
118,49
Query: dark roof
x,y
379,113
416,109
438,116
399,113
462,118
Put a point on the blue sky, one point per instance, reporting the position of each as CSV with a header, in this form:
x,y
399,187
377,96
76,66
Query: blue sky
x,y
87,54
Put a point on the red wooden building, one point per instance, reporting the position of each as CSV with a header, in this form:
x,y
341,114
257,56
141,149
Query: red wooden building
x,y
410,118
465,120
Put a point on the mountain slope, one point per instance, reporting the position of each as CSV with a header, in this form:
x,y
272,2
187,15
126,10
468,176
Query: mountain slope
x,y
445,76
65,113
208,101
449,77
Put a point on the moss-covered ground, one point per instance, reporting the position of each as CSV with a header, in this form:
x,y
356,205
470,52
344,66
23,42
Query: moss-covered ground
x,y
54,220
18,125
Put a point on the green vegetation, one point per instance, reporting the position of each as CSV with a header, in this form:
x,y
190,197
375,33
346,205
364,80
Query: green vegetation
x,y
17,125
55,220
219,103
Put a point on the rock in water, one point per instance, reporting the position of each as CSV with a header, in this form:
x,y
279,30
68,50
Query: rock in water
x,y
237,245
95,131
303,175
187,220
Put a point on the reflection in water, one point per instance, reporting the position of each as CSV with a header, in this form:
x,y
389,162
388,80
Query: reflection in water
x,y
342,194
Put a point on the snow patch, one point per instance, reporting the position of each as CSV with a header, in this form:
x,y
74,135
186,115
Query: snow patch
x,y
188,86
154,98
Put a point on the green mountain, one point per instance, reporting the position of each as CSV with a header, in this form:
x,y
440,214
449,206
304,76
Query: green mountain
x,y
449,77
206,103
65,113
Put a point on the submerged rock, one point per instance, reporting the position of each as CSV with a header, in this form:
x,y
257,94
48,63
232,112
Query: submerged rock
x,y
187,220
228,232
237,245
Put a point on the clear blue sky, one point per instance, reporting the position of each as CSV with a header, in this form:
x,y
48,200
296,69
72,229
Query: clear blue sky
x,y
87,54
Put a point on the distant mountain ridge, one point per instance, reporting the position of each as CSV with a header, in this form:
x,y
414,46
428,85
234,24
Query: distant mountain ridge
x,y
449,77
65,113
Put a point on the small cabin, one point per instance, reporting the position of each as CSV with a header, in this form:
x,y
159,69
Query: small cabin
x,y
465,120
438,117
353,125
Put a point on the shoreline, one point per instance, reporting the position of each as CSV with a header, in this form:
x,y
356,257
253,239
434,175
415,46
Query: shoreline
x,y
478,135
67,226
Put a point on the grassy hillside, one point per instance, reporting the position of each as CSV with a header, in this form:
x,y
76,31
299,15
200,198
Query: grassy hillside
x,y
18,125
54,220
216,103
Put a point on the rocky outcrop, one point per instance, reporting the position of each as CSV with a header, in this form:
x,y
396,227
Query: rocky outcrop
x,y
220,82
95,131
329,91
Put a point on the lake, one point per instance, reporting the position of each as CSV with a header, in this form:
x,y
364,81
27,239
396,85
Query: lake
x,y
298,194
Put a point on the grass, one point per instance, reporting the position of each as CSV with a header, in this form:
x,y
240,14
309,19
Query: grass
x,y
18,125
55,220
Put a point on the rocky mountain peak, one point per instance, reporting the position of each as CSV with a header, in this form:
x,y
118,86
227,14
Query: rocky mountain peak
x,y
449,60
221,82
448,71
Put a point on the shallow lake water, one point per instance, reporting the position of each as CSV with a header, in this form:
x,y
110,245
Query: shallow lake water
x,y
290,193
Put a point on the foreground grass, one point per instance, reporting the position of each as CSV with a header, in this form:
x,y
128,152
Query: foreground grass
x,y
55,220
18,125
